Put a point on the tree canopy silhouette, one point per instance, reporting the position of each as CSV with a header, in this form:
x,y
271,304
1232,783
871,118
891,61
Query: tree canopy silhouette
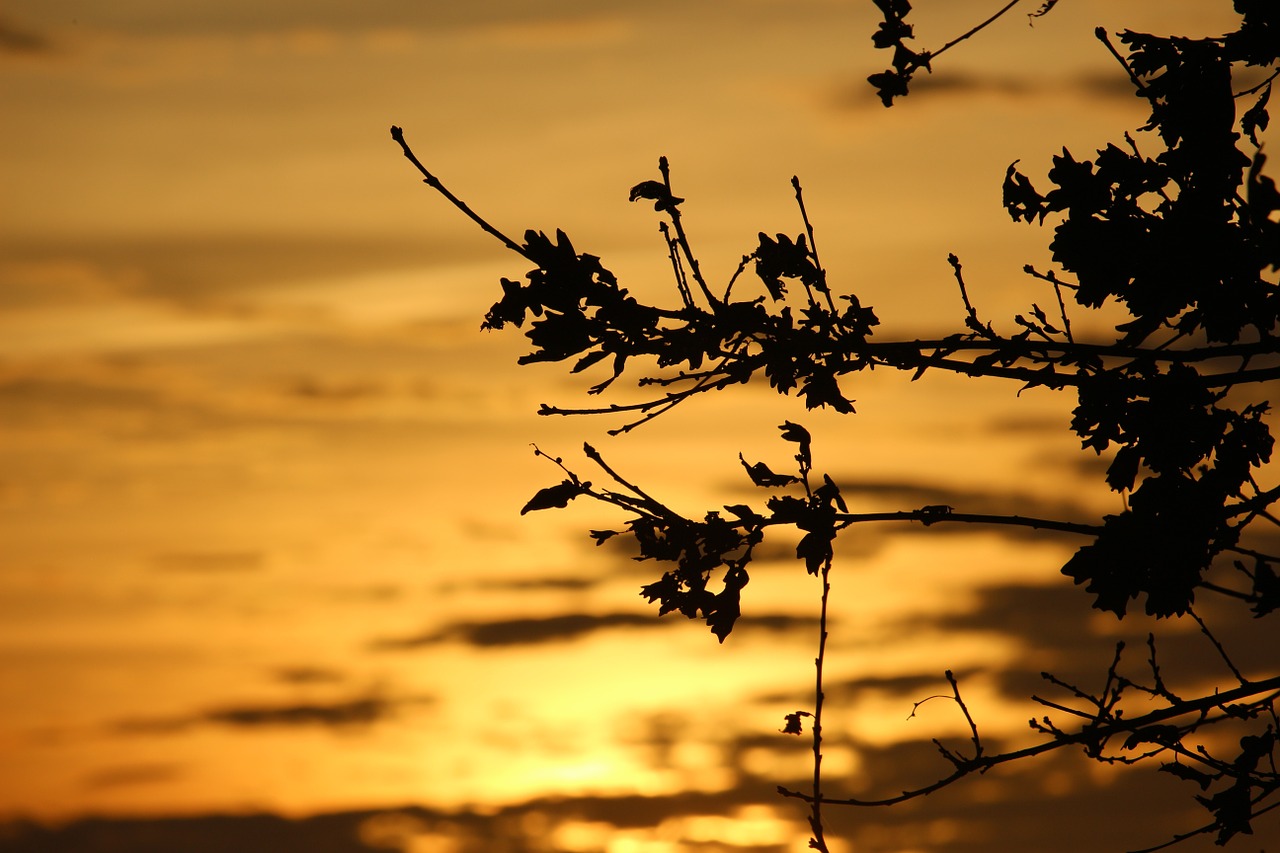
x,y
1184,238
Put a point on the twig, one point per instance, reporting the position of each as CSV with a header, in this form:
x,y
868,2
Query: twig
x,y
971,320
1273,75
432,181
742,265
815,821
677,269
665,168
974,31
973,727
1204,629
1085,735
813,243
1101,35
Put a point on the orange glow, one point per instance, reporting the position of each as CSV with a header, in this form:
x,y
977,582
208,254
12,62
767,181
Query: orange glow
x,y
261,473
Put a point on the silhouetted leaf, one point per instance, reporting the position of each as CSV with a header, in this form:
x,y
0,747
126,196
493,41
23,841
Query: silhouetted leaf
x,y
1266,588
762,476
1256,117
657,192
1182,771
1124,469
889,85
554,496
1020,197
1162,735
815,549
793,725
745,513
1043,10
601,536
829,493
800,435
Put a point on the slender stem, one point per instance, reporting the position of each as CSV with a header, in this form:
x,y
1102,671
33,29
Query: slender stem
x,y
665,168
928,517
1101,35
677,270
1222,653
974,31
432,181
815,821
1273,75
813,243
1062,310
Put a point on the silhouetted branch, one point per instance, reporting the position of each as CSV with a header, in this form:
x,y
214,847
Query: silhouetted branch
x,y
432,181
1182,241
975,30
1087,735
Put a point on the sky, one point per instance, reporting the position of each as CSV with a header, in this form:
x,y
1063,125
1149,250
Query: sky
x,y
263,577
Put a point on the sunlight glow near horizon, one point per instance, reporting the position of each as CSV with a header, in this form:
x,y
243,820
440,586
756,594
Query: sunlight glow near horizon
x,y
233,469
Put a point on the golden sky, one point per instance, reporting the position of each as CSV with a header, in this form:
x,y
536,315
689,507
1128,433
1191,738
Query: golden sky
x,y
260,472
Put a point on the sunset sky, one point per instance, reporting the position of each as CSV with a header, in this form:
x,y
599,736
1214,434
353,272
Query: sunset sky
x,y
261,472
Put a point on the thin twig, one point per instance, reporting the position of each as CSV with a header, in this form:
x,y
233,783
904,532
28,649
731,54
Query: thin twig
x,y
1204,629
665,168
1101,35
432,181
974,31
815,821
1087,734
677,269
973,727
813,243
1273,75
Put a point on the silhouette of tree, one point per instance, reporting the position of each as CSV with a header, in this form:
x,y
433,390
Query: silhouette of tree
x,y
1185,239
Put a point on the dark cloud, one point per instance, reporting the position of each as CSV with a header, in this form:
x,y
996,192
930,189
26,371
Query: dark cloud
x,y
193,271
315,388
15,38
213,562
1057,631
910,686
510,632
858,94
306,674
155,17
132,774
557,584
358,711
1050,806
571,626
28,396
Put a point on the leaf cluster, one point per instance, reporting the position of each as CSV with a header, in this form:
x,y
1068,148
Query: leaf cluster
x,y
1184,239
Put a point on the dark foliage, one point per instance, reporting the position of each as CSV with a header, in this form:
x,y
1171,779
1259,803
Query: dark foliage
x,y
1185,239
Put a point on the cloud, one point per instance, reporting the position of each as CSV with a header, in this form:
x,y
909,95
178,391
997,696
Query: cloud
x,y
16,39
571,626
554,584
1050,806
306,674
216,562
857,94
554,34
344,713
198,270
1055,629
132,774
511,632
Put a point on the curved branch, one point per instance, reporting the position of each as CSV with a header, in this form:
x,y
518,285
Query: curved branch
x,y
980,764
432,181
